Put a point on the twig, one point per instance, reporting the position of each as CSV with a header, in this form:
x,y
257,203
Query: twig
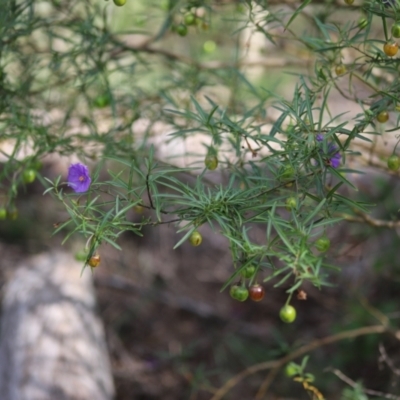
x,y
385,358
148,191
353,384
267,383
253,152
276,364
377,223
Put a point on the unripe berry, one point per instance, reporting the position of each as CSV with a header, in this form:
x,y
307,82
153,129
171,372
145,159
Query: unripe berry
x,y
190,19
291,203
119,3
323,244
393,162
383,117
287,314
29,175
239,293
181,30
195,238
396,30
211,162
340,69
248,271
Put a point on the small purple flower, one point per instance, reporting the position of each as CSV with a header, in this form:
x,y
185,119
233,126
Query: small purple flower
x,y
333,154
78,177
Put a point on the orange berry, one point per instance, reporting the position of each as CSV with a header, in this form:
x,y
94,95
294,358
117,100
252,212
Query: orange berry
x,y
390,48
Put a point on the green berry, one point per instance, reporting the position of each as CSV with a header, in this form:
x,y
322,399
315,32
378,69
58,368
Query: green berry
x,y
29,175
393,162
239,293
190,19
291,203
340,69
248,272
181,30
195,238
139,209
322,244
211,162
119,3
287,314
209,46
396,30
3,213
287,173
81,256
291,369
362,23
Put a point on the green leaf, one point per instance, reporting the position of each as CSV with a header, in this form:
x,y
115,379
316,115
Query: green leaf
x,y
300,8
314,212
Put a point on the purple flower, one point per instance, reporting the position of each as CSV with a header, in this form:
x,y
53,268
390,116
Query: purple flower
x,y
78,177
333,155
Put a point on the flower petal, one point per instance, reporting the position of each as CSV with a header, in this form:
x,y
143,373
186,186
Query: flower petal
x,y
78,177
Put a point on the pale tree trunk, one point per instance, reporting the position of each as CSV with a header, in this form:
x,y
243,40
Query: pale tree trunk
x,y
52,344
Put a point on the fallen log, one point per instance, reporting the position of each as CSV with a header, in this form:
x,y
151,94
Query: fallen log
x,y
52,343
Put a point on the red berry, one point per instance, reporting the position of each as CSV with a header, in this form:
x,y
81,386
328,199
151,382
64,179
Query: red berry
x,y
256,292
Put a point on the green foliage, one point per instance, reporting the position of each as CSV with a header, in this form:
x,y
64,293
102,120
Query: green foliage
x,y
355,393
78,80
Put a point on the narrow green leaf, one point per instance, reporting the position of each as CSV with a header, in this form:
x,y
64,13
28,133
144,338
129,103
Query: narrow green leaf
x,y
305,4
